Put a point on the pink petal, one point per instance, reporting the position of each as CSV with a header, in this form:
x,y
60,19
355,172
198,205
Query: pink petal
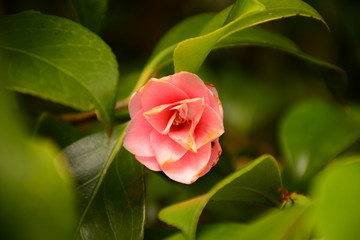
x,y
137,137
159,92
195,88
161,117
135,104
165,149
215,102
192,110
214,158
188,168
149,162
209,128
183,136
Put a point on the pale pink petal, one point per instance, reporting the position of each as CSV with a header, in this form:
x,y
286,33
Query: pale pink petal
x,y
214,158
195,87
209,128
159,92
149,162
137,137
188,168
165,149
161,117
135,104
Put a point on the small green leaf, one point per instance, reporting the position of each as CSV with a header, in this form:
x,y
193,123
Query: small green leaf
x,y
90,13
191,53
37,198
337,211
256,183
111,185
59,60
313,134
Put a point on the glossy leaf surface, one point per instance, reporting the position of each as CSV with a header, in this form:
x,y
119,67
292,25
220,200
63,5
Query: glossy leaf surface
x,y
111,185
191,53
59,60
257,183
313,134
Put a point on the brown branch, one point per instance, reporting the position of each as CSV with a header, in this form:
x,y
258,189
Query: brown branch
x,y
83,116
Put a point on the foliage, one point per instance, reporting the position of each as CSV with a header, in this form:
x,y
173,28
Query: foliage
x,y
288,126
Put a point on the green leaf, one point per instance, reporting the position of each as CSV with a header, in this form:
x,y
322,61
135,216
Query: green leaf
x,y
291,223
312,134
111,185
163,52
59,60
90,13
334,76
37,198
337,211
191,53
223,231
256,183
205,24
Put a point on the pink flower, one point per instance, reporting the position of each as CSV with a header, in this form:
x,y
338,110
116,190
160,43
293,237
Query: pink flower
x,y
175,128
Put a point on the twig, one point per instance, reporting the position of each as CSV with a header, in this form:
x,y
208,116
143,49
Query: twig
x,y
82,116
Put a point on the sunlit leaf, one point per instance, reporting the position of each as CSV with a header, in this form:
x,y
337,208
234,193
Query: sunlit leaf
x,y
313,133
191,53
256,183
90,13
37,198
337,211
111,185
59,60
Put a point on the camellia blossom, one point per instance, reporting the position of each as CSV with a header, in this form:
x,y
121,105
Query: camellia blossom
x,y
176,122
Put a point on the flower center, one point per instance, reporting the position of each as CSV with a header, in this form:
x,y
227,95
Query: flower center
x,y
179,120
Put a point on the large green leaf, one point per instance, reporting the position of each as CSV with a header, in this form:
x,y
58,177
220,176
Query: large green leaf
x,y
199,27
37,198
191,53
90,13
291,223
256,183
111,185
337,211
59,60
223,231
314,133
